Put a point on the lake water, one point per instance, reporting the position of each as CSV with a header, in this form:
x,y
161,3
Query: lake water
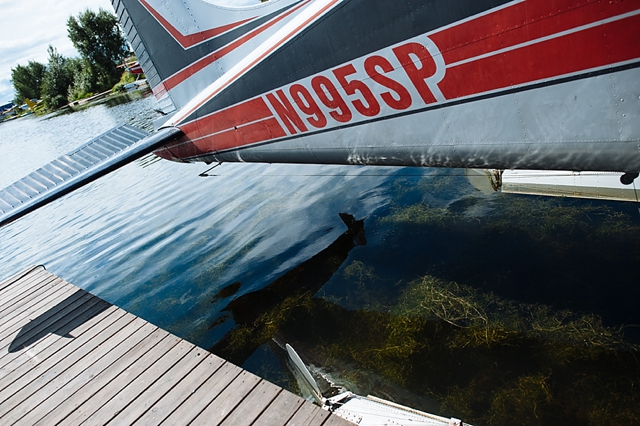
x,y
405,283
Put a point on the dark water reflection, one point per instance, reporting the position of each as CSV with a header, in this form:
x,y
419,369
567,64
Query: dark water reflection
x,y
498,309
301,282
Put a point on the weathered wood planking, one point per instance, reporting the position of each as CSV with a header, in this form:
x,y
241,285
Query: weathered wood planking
x,y
68,357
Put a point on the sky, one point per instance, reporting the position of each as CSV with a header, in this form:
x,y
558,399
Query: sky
x,y
30,26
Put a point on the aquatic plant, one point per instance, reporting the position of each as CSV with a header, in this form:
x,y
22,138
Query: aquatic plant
x,y
486,319
359,273
420,214
487,359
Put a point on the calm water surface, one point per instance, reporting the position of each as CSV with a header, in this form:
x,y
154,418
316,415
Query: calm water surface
x,y
404,283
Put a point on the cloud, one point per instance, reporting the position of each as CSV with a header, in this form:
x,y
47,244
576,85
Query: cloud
x,y
6,90
29,26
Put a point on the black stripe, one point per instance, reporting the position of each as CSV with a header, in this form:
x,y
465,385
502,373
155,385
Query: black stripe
x,y
168,55
135,41
115,4
351,30
128,24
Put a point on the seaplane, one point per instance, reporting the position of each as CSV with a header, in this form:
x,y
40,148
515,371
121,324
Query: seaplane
x,y
544,85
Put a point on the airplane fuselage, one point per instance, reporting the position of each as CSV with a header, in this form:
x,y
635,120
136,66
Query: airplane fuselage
x,y
489,84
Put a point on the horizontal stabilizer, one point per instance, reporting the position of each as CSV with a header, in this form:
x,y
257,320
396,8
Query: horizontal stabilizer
x,y
101,155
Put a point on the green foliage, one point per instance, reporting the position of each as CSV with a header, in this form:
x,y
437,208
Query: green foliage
x,y
486,359
125,79
57,79
486,320
82,85
98,39
27,81
102,46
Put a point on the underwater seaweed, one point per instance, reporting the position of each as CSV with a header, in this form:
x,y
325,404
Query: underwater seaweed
x,y
487,319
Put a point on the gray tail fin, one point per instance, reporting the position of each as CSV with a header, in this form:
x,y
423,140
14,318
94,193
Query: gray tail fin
x,y
185,45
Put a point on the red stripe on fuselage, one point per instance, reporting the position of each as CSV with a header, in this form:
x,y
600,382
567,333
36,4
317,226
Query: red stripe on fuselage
x,y
243,135
520,23
240,135
245,123
247,112
547,59
187,41
185,114
205,61
159,91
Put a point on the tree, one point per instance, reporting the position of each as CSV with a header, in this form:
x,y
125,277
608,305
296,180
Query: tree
x,y
98,38
27,81
57,80
83,81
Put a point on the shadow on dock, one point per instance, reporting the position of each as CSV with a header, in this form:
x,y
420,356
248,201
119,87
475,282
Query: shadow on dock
x,y
61,319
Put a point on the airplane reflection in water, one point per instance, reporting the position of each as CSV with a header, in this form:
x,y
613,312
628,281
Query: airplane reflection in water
x,y
250,312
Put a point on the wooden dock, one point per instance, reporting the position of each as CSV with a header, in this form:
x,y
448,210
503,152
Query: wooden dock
x,y
68,357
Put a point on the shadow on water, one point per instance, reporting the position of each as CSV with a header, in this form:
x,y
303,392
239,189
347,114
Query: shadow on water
x,y
148,160
250,311
511,318
61,319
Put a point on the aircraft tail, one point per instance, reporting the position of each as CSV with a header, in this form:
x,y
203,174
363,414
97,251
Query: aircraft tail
x,y
32,105
185,45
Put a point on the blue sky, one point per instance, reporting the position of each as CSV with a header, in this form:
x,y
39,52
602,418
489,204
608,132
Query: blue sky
x,y
29,26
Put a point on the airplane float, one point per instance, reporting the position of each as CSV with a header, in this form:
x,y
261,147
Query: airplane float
x,y
492,84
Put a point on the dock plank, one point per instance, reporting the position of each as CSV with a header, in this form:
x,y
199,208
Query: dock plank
x,y
69,358
82,372
83,409
56,317
25,314
234,394
50,357
13,317
253,405
127,395
205,395
21,400
54,342
25,278
96,380
145,400
171,401
18,315
309,415
28,284
281,410
29,297
16,277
